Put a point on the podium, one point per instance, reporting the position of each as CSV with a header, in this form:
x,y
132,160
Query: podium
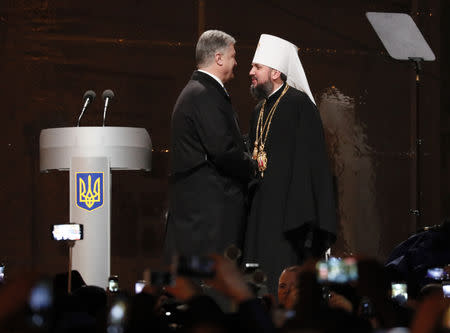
x,y
89,154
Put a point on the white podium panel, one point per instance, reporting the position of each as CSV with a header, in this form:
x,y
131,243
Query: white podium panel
x,y
90,198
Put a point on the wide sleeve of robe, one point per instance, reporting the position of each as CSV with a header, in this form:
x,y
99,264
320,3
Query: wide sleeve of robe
x,y
310,198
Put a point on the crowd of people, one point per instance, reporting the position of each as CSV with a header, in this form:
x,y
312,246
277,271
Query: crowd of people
x,y
348,295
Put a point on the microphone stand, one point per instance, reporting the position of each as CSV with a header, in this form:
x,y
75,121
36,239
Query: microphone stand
x,y
104,110
86,103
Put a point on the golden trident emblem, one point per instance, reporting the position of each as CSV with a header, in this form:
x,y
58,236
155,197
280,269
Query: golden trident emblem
x,y
89,196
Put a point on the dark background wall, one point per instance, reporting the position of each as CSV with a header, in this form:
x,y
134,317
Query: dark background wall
x,y
52,51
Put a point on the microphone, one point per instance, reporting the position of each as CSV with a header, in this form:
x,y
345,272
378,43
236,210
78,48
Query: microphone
x,y
107,96
88,97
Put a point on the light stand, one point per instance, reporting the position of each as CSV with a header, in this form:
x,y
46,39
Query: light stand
x,y
403,41
71,244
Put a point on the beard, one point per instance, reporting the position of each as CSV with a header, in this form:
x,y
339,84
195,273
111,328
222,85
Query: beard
x,y
262,90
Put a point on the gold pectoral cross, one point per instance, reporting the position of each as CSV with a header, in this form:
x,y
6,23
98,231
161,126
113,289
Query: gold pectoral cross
x,y
262,161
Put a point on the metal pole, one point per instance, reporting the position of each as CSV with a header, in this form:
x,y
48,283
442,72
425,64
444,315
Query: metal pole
x,y
417,192
69,274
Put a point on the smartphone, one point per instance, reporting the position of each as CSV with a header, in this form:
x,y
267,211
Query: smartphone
x,y
139,286
446,288
67,232
366,308
113,283
399,292
195,266
338,271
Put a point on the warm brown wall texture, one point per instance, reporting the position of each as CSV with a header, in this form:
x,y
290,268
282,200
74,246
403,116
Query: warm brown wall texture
x,y
52,51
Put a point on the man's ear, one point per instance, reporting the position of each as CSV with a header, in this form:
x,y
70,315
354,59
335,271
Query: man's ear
x,y
218,59
275,74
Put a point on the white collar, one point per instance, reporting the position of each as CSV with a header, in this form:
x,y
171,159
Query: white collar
x,y
213,76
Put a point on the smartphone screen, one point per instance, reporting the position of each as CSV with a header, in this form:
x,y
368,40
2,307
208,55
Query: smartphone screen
x,y
399,292
2,273
337,271
435,273
139,286
322,271
446,288
69,231
113,284
352,269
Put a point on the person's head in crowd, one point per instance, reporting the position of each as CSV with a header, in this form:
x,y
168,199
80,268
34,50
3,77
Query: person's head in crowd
x,y
432,315
92,298
374,286
60,282
216,55
288,287
142,314
82,310
310,292
430,289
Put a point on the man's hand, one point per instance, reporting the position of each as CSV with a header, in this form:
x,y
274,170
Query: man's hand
x,y
229,280
340,302
183,289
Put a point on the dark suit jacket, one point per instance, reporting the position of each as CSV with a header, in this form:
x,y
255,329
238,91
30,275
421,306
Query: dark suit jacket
x,y
209,171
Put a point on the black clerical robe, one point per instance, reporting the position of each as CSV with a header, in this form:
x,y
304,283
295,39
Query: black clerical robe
x,y
209,171
292,213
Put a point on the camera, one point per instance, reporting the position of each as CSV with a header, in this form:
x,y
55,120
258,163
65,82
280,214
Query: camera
x,y
195,266
67,232
337,270
399,292
113,283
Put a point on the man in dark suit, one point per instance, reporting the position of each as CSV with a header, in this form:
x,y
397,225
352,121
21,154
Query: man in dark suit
x,y
209,165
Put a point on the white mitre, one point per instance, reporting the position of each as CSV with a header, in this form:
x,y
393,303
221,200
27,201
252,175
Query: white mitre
x,y
282,55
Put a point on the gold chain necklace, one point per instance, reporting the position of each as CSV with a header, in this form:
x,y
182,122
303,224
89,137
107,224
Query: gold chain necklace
x,y
262,130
